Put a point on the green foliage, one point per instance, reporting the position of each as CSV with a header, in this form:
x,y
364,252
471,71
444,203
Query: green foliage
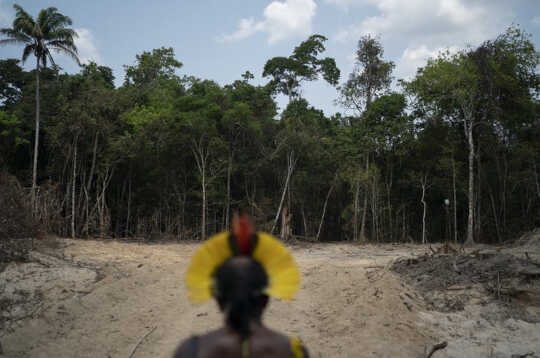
x,y
12,79
12,136
388,125
370,78
11,128
157,65
303,65
164,153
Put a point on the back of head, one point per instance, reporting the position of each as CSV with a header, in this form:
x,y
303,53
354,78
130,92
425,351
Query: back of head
x,y
240,284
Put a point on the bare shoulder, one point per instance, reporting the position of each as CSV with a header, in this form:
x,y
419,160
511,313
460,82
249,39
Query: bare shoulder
x,y
187,348
287,344
277,336
264,342
197,346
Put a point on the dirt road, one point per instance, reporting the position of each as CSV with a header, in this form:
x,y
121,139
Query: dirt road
x,y
113,294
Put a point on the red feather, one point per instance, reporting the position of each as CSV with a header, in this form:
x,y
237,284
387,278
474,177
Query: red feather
x,y
243,230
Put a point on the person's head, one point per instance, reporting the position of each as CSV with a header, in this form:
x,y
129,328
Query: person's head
x,y
240,285
241,268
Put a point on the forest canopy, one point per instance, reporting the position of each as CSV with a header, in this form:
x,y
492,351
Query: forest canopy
x,y
451,154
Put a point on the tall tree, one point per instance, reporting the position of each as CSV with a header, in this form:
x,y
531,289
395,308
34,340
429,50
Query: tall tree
x,y
303,65
152,66
81,128
48,32
370,78
509,85
487,85
447,87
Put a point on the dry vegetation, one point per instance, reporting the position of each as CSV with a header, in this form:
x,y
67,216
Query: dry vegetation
x,y
17,227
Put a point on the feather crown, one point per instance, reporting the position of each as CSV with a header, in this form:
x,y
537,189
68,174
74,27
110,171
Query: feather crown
x,y
278,263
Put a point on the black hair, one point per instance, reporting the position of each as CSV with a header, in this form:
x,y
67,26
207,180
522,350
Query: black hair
x,y
240,284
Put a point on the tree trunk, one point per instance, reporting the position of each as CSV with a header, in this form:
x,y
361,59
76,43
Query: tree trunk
x,y
291,163
455,199
536,179
404,225
73,180
285,224
203,187
478,198
324,212
126,233
304,221
86,228
201,158
495,216
88,186
374,230
101,202
356,210
184,213
36,143
388,184
228,204
289,92
93,166
424,205
503,194
470,222
363,226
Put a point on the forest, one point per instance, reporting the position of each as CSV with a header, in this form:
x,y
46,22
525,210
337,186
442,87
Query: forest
x,y
408,220
451,154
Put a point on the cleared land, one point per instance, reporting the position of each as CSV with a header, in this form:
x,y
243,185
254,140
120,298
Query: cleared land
x,y
106,298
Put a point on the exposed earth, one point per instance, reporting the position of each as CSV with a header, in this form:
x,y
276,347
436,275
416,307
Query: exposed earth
x,y
93,298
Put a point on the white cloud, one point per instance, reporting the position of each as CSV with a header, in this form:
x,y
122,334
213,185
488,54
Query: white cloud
x,y
86,46
344,4
415,57
431,19
282,20
536,20
421,28
246,28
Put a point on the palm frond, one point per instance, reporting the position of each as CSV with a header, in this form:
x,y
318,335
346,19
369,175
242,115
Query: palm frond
x,y
21,14
57,21
16,35
63,34
60,48
45,15
48,31
43,59
69,45
11,42
23,21
28,50
49,56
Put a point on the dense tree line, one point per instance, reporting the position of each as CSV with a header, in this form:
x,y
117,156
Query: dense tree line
x,y
453,154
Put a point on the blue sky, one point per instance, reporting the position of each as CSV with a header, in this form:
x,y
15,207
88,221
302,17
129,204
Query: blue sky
x,y
220,40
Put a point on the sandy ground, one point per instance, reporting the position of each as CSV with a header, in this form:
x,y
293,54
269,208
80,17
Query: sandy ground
x,y
106,296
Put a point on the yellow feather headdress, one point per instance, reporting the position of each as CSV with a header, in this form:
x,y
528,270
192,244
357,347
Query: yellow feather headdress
x,y
280,267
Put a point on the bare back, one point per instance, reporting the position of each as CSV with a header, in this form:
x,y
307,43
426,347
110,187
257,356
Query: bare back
x,y
226,343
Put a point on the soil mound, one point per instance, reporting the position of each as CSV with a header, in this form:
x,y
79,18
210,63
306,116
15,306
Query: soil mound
x,y
450,281
530,240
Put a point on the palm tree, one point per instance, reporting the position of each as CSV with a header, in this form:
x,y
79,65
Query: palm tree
x,y
48,32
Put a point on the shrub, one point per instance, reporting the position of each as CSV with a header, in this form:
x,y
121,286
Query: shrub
x,y
17,226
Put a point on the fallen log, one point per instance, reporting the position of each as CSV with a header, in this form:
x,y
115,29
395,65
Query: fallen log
x,y
437,347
